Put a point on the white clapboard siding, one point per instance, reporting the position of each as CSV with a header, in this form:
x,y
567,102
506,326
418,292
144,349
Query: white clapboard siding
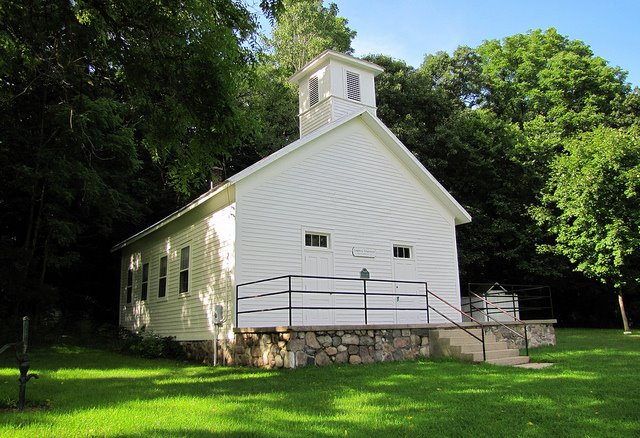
x,y
343,107
209,231
348,184
327,111
318,115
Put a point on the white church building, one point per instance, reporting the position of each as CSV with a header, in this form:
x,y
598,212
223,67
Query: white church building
x,y
343,227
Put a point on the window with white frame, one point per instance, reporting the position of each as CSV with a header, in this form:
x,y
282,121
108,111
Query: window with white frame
x,y
144,286
129,285
401,252
184,270
162,277
316,240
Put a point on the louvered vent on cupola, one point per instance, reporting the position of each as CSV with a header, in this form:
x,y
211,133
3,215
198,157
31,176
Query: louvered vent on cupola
x,y
314,91
334,85
353,86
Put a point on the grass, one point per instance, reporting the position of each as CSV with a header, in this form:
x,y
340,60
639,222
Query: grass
x,y
592,390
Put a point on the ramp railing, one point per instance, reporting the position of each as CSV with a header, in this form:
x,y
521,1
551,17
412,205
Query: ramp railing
x,y
282,295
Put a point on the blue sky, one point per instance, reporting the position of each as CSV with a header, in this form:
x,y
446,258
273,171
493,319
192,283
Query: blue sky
x,y
409,29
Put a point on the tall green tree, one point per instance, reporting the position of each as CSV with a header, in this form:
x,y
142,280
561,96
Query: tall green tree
x,y
488,122
435,111
543,73
96,99
458,76
591,205
304,29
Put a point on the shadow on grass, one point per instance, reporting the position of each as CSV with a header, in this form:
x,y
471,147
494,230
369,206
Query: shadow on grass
x,y
588,392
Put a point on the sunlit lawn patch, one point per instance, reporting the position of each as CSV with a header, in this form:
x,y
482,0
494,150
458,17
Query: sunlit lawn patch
x,y
593,390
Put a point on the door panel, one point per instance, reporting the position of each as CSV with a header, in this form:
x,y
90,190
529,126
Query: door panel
x,y
405,269
320,264
386,300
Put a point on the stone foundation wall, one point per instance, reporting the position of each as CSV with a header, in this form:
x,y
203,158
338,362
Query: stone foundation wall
x,y
293,347
298,348
203,352
539,333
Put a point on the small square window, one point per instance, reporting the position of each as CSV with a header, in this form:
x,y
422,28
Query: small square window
x,y
316,240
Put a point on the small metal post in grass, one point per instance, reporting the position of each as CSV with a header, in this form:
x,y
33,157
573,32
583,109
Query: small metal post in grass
x,y
23,361
23,364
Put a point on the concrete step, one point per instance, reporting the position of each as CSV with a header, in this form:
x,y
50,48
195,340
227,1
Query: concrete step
x,y
458,337
519,360
458,333
469,347
491,355
474,351
460,344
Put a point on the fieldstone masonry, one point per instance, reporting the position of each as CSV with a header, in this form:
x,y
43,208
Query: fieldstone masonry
x,y
203,351
296,348
293,347
539,333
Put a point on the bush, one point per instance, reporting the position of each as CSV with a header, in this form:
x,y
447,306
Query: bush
x,y
149,344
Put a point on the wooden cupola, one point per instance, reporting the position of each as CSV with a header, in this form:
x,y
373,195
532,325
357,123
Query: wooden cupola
x,y
333,85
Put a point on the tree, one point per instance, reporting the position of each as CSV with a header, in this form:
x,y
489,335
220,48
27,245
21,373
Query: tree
x,y
304,30
488,122
543,73
99,102
591,205
471,151
459,76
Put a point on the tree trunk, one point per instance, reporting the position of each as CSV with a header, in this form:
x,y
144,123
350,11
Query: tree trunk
x,y
625,321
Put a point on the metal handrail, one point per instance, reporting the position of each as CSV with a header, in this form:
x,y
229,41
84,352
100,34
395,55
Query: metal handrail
x,y
317,277
484,352
527,298
518,320
463,313
364,294
291,291
497,307
327,293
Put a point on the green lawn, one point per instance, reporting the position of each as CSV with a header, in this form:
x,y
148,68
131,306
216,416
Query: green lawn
x,y
593,390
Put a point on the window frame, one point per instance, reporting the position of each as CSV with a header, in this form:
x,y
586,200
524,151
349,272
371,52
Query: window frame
x,y
163,287
144,284
398,249
320,235
186,270
129,287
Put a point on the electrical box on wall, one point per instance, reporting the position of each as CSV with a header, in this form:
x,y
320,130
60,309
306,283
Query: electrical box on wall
x,y
217,314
